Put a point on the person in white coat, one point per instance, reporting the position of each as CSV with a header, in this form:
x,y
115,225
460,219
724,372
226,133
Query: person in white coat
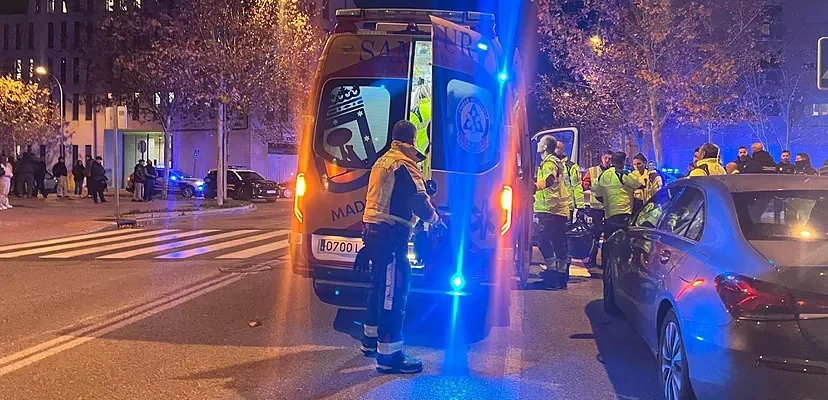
x,y
5,182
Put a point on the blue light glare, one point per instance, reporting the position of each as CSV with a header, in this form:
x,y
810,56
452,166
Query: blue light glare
x,y
173,178
336,292
482,46
503,76
457,282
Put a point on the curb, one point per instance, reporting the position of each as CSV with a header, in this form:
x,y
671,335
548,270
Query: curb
x,y
174,214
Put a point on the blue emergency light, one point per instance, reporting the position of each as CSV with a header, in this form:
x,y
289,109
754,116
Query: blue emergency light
x,y
503,76
482,46
457,282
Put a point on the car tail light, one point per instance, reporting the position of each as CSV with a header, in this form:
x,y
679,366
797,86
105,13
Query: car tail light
x,y
297,197
810,304
752,299
506,200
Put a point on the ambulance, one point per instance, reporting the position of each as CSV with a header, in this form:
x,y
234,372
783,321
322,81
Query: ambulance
x,y
447,73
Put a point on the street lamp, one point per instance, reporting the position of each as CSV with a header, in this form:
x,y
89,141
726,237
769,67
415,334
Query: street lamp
x,y
43,72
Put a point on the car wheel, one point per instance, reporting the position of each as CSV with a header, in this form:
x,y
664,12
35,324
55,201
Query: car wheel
x,y
610,306
675,376
287,193
188,192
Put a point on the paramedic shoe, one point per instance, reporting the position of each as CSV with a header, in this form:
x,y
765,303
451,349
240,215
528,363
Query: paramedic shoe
x,y
368,346
551,278
398,363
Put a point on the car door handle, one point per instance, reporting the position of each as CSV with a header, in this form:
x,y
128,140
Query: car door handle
x,y
664,257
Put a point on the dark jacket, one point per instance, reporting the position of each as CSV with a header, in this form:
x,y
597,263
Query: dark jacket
x,y
139,173
98,172
804,167
786,167
761,163
26,166
59,170
742,163
40,170
151,173
78,171
88,168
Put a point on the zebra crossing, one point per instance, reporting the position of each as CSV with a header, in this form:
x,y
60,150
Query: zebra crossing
x,y
157,244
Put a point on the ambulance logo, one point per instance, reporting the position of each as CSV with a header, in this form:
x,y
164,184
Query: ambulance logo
x,y
473,125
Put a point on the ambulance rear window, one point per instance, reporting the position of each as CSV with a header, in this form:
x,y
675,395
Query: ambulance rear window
x,y
355,119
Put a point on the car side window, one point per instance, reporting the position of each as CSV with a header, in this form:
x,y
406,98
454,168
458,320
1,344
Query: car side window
x,y
653,212
232,177
686,216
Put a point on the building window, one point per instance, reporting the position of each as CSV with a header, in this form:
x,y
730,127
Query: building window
x,y
76,34
37,6
50,6
50,66
18,70
90,6
87,150
823,109
63,70
75,107
123,4
6,37
42,151
110,5
18,37
63,35
75,153
89,107
31,36
31,70
63,7
137,4
50,38
76,71
89,33
76,5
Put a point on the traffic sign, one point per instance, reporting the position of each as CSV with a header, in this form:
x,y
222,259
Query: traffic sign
x,y
822,64
142,147
196,153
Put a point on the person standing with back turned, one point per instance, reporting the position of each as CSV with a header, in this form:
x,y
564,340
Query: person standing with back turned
x,y
396,199
615,189
596,208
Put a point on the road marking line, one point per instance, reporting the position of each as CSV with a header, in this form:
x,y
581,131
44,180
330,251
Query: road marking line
x,y
66,239
254,251
78,337
579,271
175,245
75,245
153,239
514,352
180,255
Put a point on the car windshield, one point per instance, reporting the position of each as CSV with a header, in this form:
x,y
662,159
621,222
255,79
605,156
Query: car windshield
x,y
250,176
783,215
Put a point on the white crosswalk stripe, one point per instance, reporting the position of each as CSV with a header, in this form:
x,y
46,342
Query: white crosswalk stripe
x,y
158,244
180,255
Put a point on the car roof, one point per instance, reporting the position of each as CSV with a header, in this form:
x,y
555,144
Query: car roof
x,y
760,182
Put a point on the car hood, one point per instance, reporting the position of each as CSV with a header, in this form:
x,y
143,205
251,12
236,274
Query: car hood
x,y
266,182
191,180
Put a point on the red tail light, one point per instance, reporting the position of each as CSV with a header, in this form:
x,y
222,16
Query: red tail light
x,y
752,299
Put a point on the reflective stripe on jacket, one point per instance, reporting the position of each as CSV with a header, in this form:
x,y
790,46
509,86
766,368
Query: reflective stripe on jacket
x,y
551,195
651,186
593,173
396,189
615,188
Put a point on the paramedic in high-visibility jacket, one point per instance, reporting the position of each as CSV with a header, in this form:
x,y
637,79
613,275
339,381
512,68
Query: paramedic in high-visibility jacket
x,y
615,188
396,198
552,211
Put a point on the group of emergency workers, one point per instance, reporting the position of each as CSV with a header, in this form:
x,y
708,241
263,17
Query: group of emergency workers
x,y
616,194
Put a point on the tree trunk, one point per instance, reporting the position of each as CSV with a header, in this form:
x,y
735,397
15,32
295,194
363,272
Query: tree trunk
x,y
221,170
656,127
165,190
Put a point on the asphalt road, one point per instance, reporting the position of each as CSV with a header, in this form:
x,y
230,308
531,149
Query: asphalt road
x,y
148,327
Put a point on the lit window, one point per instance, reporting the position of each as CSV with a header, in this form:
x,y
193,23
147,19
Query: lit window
x,y
172,97
823,109
65,10
123,5
110,5
137,4
18,70
814,110
50,6
158,99
31,70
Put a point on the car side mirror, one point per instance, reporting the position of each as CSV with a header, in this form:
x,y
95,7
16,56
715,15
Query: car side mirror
x,y
431,187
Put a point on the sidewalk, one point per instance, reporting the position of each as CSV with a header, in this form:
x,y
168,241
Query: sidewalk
x,y
38,219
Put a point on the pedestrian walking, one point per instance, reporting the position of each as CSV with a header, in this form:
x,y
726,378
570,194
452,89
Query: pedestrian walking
x,y
88,174
709,162
552,211
61,173
139,174
149,183
40,178
78,175
596,208
615,188
6,174
786,166
396,198
803,165
26,183
97,180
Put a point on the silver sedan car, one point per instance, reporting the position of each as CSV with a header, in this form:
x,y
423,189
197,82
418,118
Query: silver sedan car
x,y
726,279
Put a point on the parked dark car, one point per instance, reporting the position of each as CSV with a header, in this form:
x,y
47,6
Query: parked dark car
x,y
180,182
287,188
726,279
243,184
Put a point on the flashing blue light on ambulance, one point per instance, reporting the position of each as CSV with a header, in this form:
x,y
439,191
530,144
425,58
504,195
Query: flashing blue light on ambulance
x,y
482,46
503,76
457,282
173,178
